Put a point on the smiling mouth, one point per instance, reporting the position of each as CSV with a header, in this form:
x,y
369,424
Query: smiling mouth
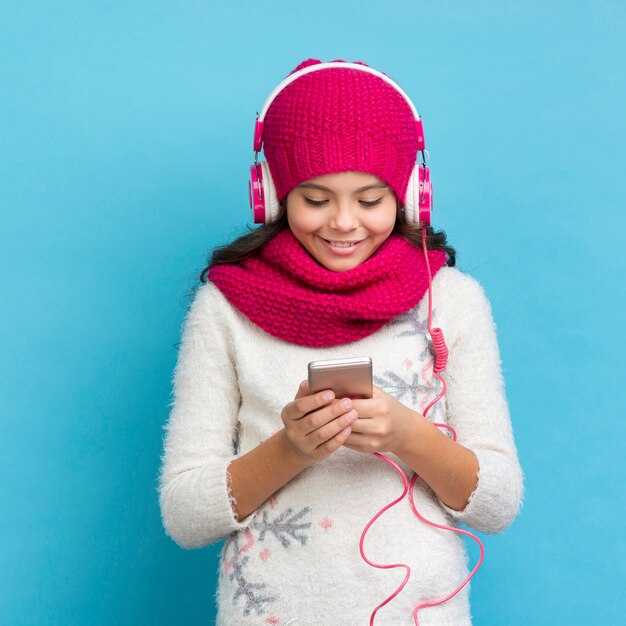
x,y
342,244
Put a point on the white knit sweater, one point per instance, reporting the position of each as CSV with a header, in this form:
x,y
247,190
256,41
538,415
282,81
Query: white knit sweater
x,y
296,559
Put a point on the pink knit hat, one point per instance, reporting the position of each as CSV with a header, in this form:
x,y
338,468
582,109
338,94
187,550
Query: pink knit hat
x,y
337,120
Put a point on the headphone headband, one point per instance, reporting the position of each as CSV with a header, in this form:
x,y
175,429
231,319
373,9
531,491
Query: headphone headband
x,y
258,128
340,65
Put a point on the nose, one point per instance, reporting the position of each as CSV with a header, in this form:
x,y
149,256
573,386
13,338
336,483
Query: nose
x,y
343,217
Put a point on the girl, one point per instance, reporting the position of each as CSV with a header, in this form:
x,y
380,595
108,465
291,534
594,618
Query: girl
x,y
345,264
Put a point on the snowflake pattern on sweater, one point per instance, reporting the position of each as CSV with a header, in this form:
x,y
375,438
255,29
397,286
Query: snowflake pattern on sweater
x,y
422,387
286,528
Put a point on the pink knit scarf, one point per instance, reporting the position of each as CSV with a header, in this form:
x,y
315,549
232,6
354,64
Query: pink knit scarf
x,y
284,291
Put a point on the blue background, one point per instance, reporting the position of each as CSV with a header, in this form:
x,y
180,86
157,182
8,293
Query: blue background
x,y
125,140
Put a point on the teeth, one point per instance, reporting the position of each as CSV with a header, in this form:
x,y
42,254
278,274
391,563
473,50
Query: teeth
x,y
338,244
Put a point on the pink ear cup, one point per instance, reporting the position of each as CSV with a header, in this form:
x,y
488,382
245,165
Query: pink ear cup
x,y
263,199
255,189
418,201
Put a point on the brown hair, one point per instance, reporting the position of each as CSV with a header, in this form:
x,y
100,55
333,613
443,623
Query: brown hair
x,y
253,242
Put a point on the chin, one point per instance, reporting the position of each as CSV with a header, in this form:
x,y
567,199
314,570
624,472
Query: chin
x,y
342,265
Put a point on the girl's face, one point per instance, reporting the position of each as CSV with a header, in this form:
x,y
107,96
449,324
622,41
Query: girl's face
x,y
338,208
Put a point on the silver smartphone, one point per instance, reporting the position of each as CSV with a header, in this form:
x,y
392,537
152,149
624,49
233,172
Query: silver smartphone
x,y
348,378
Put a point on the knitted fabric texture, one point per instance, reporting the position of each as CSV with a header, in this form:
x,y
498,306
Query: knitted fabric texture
x,y
335,120
284,291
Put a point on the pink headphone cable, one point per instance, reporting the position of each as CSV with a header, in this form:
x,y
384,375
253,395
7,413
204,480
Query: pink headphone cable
x,y
441,357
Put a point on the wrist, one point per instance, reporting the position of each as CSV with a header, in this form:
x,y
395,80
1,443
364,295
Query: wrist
x,y
409,441
294,457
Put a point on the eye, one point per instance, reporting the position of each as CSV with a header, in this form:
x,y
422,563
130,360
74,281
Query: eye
x,y
370,203
314,202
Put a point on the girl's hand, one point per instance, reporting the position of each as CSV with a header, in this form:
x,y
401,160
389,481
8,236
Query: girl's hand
x,y
384,424
316,427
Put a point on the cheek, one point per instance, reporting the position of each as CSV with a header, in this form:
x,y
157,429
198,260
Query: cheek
x,y
296,217
302,222
382,223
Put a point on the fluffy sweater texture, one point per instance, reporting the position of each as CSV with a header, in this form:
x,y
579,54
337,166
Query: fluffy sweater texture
x,y
296,559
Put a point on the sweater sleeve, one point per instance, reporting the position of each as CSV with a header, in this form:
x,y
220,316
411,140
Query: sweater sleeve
x,y
478,411
196,506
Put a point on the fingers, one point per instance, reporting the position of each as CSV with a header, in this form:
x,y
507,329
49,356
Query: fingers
x,y
334,443
317,419
318,424
360,443
334,419
304,403
330,437
367,426
359,440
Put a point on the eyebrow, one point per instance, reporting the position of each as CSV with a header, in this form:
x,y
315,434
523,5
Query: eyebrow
x,y
359,190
